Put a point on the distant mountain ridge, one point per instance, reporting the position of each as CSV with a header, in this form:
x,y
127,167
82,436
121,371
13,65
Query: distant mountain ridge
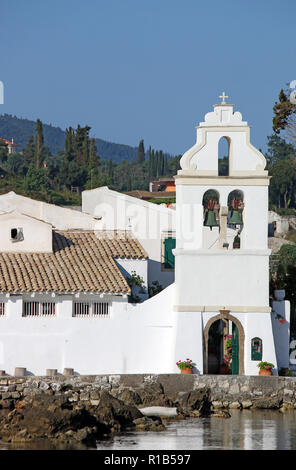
x,y
20,129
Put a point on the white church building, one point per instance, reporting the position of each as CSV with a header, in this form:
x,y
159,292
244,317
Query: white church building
x,y
63,276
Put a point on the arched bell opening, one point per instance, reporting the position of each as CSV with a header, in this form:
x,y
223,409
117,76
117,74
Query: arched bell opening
x,y
224,345
235,215
211,208
224,156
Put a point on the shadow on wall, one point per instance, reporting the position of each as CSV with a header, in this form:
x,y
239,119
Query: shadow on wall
x,y
156,273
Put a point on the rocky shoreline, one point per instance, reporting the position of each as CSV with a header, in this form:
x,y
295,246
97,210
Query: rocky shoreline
x,y
83,409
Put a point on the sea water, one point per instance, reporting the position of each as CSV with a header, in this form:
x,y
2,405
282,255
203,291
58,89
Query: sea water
x,y
244,430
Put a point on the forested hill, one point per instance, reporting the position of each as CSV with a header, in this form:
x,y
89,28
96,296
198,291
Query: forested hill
x,y
21,129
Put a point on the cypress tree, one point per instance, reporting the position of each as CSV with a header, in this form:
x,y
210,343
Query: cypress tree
x,y
141,152
29,152
70,145
93,157
38,143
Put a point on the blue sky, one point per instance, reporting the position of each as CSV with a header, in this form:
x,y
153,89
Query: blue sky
x,y
139,69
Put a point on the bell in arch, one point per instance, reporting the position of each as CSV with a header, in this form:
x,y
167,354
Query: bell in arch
x,y
210,217
236,214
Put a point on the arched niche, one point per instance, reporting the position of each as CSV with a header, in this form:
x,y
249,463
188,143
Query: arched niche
x,y
224,156
256,349
211,207
235,220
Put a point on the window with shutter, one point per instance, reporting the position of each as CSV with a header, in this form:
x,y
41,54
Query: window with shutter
x,y
169,258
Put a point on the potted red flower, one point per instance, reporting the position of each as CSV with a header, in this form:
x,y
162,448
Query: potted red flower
x,y
186,367
265,368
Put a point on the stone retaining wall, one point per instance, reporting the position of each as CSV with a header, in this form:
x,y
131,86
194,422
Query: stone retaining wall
x,y
225,391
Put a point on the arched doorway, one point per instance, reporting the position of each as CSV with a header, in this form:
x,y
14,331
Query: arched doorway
x,y
221,332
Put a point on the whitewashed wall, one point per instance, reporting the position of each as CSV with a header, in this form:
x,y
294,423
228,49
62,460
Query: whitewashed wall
x,y
37,235
136,338
148,222
61,218
281,331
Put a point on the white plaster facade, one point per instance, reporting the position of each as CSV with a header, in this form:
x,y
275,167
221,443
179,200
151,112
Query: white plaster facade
x,y
150,223
59,217
211,281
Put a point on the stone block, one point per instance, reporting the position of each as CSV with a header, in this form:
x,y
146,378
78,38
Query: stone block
x,y
44,386
114,380
56,387
246,404
84,396
217,404
94,402
51,372
20,371
73,398
234,405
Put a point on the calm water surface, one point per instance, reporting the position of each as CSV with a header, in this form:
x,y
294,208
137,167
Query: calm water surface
x,y
245,430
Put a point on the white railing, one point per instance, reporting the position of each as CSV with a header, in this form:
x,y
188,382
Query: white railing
x,y
39,309
91,309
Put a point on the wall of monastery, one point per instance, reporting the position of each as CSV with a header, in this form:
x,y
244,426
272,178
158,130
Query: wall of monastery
x,y
224,391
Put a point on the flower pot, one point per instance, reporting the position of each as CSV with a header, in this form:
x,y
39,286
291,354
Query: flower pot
x,y
187,370
265,372
279,294
224,369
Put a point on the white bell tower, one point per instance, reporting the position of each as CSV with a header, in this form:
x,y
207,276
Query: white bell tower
x,y
222,266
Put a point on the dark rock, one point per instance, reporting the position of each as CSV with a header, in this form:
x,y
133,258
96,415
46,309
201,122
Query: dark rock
x,y
149,424
129,397
194,401
114,414
267,402
221,414
153,395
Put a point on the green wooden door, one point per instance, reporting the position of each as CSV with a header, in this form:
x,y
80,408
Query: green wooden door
x,y
169,258
235,350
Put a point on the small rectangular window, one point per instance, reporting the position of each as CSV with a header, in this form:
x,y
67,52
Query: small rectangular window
x,y
16,234
81,309
2,309
91,309
47,308
100,308
30,309
36,309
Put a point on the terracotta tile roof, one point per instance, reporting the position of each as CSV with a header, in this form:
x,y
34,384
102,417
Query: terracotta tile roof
x,y
81,261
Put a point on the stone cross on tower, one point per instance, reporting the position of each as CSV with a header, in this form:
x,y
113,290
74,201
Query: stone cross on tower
x,y
223,96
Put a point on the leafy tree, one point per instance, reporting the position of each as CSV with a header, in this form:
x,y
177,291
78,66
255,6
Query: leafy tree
x,y
36,179
3,151
278,149
72,174
283,182
283,109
